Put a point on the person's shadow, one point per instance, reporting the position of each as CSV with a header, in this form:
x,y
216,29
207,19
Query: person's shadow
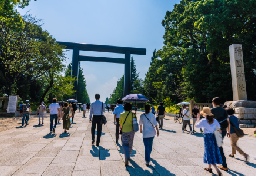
x,y
198,134
36,126
49,135
95,151
104,153
160,169
248,163
170,131
63,135
122,151
134,169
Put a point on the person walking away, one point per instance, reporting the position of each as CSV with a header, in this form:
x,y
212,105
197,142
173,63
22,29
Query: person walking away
x,y
66,117
153,110
119,109
60,114
41,109
126,127
212,154
195,111
161,114
88,106
234,122
108,107
21,109
149,124
26,111
54,110
186,120
70,112
84,109
221,116
74,107
96,111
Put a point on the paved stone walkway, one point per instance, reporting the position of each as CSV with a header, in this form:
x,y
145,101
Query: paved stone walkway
x,y
33,151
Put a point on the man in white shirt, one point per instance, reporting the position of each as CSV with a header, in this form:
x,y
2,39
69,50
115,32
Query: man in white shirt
x,y
54,109
186,120
96,111
119,109
84,109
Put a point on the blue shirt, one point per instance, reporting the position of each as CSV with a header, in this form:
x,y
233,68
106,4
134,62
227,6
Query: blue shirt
x,y
119,109
153,110
235,122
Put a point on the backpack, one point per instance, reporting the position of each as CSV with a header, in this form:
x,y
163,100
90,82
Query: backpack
x,y
25,108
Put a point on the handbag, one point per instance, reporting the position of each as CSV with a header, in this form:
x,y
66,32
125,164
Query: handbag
x,y
239,132
218,137
135,124
120,132
103,119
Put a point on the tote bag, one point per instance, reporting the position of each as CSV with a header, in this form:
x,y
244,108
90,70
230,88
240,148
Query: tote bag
x,y
218,137
135,124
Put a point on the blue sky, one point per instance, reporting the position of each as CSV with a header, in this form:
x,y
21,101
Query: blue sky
x,y
126,23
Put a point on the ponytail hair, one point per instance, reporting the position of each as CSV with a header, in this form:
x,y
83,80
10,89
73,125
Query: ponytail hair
x,y
210,118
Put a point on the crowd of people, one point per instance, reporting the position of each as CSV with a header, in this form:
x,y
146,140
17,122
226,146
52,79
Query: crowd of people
x,y
209,121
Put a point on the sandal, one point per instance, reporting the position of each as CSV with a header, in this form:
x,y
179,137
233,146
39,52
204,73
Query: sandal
x,y
208,169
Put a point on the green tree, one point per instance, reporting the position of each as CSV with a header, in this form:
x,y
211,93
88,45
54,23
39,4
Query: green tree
x,y
118,92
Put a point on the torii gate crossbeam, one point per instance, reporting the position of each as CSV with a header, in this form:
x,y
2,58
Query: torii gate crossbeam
x,y
76,47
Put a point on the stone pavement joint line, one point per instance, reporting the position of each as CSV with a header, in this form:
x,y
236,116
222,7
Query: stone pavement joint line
x,y
33,151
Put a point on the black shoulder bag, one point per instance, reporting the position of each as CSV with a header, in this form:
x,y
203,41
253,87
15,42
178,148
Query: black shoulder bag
x,y
149,120
239,132
120,132
103,119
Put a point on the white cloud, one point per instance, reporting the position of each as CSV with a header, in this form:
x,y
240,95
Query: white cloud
x,y
90,78
108,87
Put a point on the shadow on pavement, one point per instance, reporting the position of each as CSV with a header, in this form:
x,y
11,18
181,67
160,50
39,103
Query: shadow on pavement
x,y
198,134
170,131
63,135
234,173
101,133
95,151
248,163
104,153
36,126
49,135
84,117
122,151
160,169
19,127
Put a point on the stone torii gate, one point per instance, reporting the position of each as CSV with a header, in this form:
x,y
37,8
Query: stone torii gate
x,y
76,47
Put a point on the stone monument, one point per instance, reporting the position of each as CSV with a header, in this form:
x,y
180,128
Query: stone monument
x,y
245,110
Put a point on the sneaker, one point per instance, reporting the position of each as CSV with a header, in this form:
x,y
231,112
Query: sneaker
x,y
147,163
232,156
223,168
182,131
97,144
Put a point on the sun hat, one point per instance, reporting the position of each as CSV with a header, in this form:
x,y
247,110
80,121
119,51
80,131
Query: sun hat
x,y
206,111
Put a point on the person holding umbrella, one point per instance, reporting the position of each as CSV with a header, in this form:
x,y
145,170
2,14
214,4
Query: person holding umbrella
x,y
126,128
